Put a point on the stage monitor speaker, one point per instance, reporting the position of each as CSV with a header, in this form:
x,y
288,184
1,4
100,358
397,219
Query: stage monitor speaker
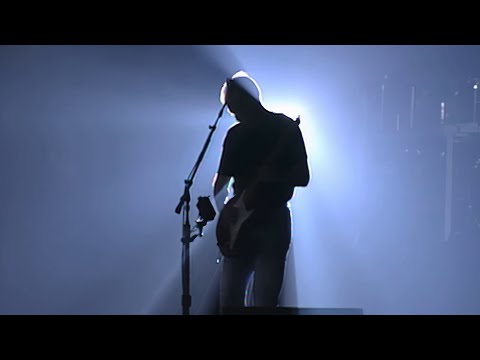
x,y
292,311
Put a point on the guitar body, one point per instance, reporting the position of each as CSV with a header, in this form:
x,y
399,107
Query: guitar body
x,y
232,226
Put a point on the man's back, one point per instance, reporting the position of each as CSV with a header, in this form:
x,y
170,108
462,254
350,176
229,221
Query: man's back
x,y
273,141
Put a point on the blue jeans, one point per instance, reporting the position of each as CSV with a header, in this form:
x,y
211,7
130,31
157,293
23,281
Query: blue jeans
x,y
265,262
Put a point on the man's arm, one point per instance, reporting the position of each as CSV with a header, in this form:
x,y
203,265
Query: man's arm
x,y
296,172
225,171
296,175
220,190
299,174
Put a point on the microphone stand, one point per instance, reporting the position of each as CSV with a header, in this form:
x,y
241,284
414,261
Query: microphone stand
x,y
187,237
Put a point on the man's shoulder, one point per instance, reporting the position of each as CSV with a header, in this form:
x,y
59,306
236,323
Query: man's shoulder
x,y
233,132
281,116
284,119
234,129
286,122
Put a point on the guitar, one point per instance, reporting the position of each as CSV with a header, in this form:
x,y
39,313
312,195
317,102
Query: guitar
x,y
234,215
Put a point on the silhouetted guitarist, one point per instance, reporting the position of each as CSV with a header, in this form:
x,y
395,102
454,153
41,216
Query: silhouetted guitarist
x,y
264,153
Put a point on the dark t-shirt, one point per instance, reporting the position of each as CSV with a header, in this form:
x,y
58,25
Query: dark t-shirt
x,y
275,139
